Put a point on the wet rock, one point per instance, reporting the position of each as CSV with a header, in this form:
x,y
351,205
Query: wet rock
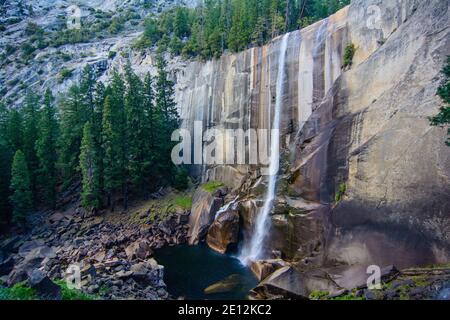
x,y
45,288
263,268
228,284
224,232
204,209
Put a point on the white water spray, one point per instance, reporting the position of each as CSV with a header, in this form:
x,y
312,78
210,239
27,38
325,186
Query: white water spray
x,y
225,208
254,250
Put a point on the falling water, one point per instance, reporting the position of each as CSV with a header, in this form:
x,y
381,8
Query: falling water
x,y
225,208
254,250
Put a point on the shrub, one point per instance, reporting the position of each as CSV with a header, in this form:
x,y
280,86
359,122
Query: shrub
x,y
442,119
27,50
112,54
20,291
349,53
33,29
212,186
341,192
65,74
73,294
181,180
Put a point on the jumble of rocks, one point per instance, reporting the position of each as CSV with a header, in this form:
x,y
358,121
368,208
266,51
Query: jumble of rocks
x,y
114,258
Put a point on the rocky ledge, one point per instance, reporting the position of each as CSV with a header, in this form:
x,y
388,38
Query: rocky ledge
x,y
113,251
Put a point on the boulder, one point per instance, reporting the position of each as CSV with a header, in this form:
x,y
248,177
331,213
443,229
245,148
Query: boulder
x,y
148,272
34,249
34,253
224,232
288,283
138,250
264,268
45,288
226,285
204,209
355,277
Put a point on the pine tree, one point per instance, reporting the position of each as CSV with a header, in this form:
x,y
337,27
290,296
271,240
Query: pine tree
x,y
73,117
99,101
165,96
6,155
21,198
90,195
30,123
152,123
46,151
181,24
14,130
87,90
115,142
136,129
169,120
5,177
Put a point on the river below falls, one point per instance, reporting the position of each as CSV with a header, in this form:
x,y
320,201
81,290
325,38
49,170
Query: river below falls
x,y
188,270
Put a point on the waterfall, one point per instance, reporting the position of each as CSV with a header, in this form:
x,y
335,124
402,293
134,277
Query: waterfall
x,y
254,250
226,207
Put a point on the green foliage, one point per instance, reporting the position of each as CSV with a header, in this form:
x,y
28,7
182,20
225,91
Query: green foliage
x,y
184,202
27,51
341,192
322,295
20,291
111,138
45,146
442,119
65,74
14,130
217,25
114,139
21,197
90,195
73,294
30,127
318,295
212,186
181,180
349,53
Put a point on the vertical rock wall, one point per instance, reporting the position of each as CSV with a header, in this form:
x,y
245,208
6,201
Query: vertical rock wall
x,y
365,128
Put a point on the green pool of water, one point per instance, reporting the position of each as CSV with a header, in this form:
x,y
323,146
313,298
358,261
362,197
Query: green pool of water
x,y
188,270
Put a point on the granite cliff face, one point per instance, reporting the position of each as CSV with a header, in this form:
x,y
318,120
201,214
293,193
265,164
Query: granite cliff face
x,y
364,128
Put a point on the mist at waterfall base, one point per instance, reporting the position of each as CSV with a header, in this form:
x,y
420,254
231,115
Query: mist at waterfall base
x,y
253,250
188,270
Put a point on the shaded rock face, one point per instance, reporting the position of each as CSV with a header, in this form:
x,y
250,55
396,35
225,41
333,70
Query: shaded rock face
x,y
45,288
204,208
366,128
224,232
288,283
